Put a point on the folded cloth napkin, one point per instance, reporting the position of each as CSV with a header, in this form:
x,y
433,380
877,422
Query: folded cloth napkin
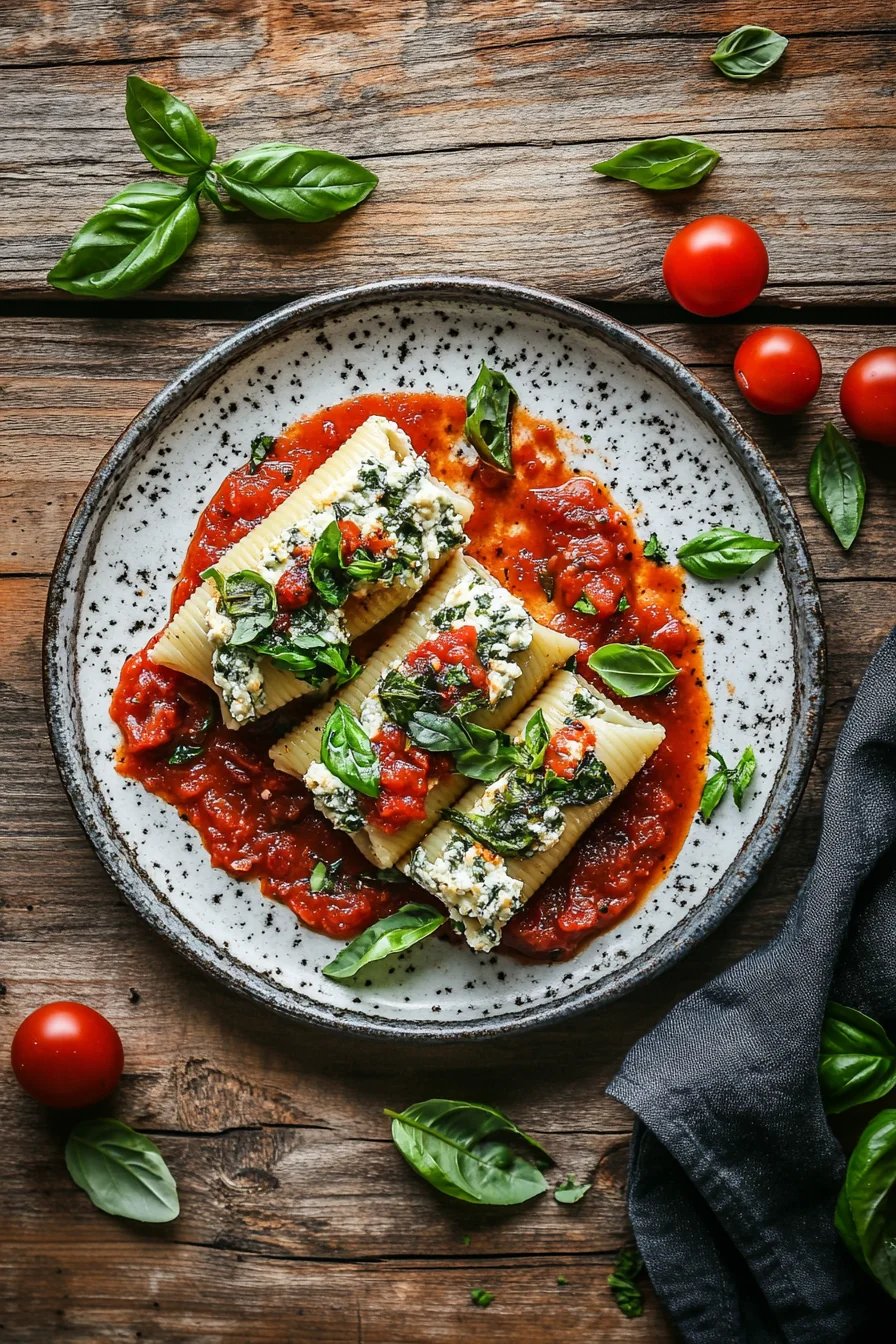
x,y
734,1169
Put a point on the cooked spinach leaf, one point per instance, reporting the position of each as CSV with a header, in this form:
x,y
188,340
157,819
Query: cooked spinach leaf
x,y
591,782
490,403
248,599
333,578
406,694
261,446
346,751
655,551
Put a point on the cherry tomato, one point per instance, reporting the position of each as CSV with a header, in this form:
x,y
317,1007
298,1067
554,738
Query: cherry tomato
x,y
868,395
778,370
715,265
66,1054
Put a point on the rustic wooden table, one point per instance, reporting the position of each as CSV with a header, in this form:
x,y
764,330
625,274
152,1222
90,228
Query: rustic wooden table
x,y
300,1222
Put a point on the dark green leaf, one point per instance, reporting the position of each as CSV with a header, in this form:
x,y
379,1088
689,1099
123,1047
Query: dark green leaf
x,y
185,752
714,791
585,605
622,1281
591,782
490,403
345,750
122,1171
748,51
547,582
168,132
633,669
128,244
248,599
724,553
261,446
461,1149
328,571
280,181
209,189
479,753
837,485
536,740
388,875
507,828
481,1298
385,938
866,1210
661,165
570,1191
655,551
742,774
857,1061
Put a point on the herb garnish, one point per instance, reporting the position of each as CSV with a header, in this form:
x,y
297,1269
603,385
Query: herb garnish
x,y
749,51
655,551
661,165
585,605
194,746
480,1298
857,1060
385,938
633,669
248,599
479,753
622,1281
490,403
261,446
570,1191
122,1171
724,553
624,604
346,751
837,485
717,785
144,229
405,695
866,1213
333,578
322,875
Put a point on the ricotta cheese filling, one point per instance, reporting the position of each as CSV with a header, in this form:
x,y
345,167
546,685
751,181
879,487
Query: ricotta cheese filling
x,y
475,885
502,624
337,802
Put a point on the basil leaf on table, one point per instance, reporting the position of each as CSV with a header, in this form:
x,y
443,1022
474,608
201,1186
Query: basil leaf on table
x,y
661,165
261,446
837,485
460,1148
346,751
385,938
857,1059
122,1171
168,132
281,181
570,1191
749,51
724,553
128,244
490,403
633,669
622,1282
866,1209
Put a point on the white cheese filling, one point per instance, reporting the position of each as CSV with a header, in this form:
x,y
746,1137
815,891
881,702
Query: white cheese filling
x,y
334,799
476,887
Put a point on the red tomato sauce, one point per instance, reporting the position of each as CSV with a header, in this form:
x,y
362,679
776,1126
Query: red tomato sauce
x,y
547,530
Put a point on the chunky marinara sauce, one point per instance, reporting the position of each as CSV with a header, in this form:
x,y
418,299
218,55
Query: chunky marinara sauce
x,y
548,530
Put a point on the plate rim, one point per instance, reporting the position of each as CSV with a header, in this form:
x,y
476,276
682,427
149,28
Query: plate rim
x,y
803,601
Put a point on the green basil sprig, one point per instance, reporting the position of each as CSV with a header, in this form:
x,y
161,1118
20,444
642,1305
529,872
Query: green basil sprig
x,y
622,1282
749,51
661,165
571,1191
738,780
490,403
837,485
144,229
385,938
461,1148
633,669
345,749
333,578
122,1171
724,553
866,1209
857,1060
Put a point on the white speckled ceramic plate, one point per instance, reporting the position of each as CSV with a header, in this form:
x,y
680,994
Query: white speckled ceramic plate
x,y
660,441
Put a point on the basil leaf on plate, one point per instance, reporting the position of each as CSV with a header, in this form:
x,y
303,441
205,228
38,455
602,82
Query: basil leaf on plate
x,y
866,1210
122,1171
128,244
461,1149
570,1191
622,1281
185,752
345,749
749,51
633,669
724,553
585,606
857,1060
168,132
661,165
322,875
714,789
742,775
281,181
837,485
385,938
261,446
654,550
490,403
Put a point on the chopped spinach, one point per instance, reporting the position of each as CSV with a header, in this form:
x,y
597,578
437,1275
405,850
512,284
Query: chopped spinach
x,y
333,578
261,446
248,599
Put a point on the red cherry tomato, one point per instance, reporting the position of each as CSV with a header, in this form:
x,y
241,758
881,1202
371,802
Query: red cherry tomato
x,y
715,265
778,370
868,396
66,1054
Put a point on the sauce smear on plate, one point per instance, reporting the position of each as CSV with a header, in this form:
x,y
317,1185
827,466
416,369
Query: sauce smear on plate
x,y
552,536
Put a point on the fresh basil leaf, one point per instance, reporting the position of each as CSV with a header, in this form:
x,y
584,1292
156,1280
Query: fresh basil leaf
x,y
480,1297
122,1171
331,576
857,1059
837,485
281,181
661,165
624,604
490,403
185,752
128,244
251,603
168,132
622,1281
213,575
742,774
548,583
479,753
536,739
724,553
209,189
570,1191
655,551
866,1211
633,669
714,791
339,658
345,749
261,446
591,782
460,1148
585,605
385,938
748,51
